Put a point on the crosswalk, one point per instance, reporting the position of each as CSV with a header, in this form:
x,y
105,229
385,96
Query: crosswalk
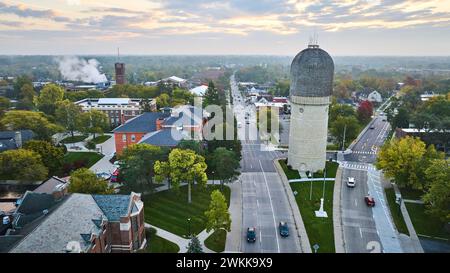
x,y
358,166
364,152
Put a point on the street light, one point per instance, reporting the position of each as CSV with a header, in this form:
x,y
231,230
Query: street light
x,y
214,181
189,227
310,190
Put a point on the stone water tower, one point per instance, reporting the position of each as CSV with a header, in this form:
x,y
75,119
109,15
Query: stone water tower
x,y
310,95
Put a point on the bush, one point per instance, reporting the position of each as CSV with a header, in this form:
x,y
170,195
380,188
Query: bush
x,y
91,145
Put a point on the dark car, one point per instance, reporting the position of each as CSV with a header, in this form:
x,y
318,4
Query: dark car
x,y
251,235
284,229
372,127
370,201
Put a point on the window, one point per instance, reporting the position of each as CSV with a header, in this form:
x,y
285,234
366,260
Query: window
x,y
133,138
124,138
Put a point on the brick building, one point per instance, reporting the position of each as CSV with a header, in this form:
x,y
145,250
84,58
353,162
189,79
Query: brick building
x,y
50,221
118,110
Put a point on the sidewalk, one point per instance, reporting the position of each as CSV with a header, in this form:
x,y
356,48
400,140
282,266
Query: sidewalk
x,y
337,220
413,245
180,241
233,242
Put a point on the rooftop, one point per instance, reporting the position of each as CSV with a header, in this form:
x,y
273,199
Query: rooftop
x,y
144,123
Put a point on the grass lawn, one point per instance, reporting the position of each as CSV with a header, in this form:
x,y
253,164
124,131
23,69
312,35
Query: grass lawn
x,y
216,241
424,224
331,168
170,210
156,244
290,173
320,230
90,157
396,212
100,139
411,194
74,139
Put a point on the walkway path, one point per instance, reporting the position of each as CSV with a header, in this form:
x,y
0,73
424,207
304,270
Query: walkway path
x,y
413,245
180,241
337,220
233,242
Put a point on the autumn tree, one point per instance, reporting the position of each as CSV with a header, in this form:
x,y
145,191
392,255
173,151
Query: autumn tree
x,y
85,181
22,164
184,166
365,111
400,160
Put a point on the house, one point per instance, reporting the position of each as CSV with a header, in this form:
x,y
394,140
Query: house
x,y
76,223
10,140
175,81
118,110
164,128
375,96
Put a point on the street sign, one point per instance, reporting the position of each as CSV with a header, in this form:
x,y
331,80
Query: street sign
x,y
316,247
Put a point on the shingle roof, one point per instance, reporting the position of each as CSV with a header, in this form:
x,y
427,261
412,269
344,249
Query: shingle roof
x,y
113,206
50,185
144,123
65,224
35,202
8,142
165,137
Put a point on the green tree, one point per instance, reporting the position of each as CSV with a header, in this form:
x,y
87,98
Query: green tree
x,y
401,159
19,83
68,115
194,246
26,97
349,124
5,103
185,166
211,96
401,119
47,99
22,164
136,164
437,198
217,215
93,122
343,110
51,156
34,121
85,181
220,158
163,100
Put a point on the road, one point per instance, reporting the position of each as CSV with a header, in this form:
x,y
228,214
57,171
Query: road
x,y
367,229
264,202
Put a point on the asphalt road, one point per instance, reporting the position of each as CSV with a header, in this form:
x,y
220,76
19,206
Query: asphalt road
x,y
367,229
264,202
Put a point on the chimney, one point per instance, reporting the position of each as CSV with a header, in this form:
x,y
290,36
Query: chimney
x,y
159,123
18,139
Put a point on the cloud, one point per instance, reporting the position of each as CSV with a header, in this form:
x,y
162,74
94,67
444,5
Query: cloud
x,y
22,10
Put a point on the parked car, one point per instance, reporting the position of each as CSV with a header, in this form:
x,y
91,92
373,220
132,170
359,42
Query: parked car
x,y
284,229
351,182
370,201
115,176
251,234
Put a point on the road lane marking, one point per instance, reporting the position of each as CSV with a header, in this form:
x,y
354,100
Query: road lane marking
x,y
360,232
271,205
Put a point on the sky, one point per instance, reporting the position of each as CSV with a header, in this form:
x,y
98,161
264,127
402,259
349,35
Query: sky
x,y
237,27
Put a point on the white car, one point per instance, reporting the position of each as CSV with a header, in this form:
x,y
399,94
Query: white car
x,y
351,182
239,124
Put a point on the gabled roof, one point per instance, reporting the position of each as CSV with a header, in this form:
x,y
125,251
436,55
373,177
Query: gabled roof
x,y
50,185
144,123
8,142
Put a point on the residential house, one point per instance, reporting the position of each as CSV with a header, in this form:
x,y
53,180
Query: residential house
x,y
10,140
375,97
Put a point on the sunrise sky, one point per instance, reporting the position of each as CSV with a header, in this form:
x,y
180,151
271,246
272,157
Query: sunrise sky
x,y
361,27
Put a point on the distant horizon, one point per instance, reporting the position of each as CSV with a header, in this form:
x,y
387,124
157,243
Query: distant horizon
x,y
230,55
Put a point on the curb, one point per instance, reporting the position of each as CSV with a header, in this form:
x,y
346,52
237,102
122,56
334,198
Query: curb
x,y
299,225
337,220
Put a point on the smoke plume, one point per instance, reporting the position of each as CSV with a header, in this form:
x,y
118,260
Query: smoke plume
x,y
77,69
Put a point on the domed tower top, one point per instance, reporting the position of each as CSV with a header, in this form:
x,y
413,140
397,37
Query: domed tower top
x,y
312,73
